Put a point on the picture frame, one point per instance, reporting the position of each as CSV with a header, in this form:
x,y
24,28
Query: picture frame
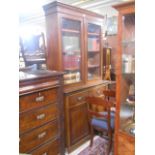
x,y
112,25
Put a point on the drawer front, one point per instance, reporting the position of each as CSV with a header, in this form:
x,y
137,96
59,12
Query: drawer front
x,y
51,148
97,91
77,98
37,99
37,117
38,136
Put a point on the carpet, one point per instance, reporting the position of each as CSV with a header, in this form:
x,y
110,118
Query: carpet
x,y
99,147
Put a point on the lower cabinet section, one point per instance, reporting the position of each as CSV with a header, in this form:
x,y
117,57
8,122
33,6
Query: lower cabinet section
x,y
50,148
76,120
126,145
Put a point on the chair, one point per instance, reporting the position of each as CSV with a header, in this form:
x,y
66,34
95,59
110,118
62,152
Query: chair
x,y
110,95
33,50
100,121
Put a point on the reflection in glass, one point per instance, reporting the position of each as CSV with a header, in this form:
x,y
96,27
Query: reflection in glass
x,y
71,50
127,110
93,51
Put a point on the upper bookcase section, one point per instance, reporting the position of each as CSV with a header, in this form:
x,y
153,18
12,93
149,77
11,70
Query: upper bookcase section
x,y
74,43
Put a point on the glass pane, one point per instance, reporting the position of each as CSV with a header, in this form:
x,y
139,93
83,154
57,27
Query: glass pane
x,y
71,50
93,51
71,24
127,111
92,28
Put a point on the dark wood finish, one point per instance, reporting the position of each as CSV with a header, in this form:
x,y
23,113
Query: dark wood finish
x,y
56,12
76,124
77,98
51,148
123,9
37,99
79,129
41,127
30,140
92,112
35,118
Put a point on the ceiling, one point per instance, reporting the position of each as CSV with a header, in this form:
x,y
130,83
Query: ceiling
x,y
27,7
30,11
89,4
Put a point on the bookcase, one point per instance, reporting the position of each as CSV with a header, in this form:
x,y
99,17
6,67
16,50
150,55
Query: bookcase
x,y
74,46
74,43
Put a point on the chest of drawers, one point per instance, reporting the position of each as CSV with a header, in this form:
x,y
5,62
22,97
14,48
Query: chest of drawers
x,y
41,128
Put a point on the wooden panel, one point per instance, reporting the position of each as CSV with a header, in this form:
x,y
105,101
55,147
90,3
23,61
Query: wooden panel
x,y
37,99
78,122
125,146
36,137
77,98
51,148
34,118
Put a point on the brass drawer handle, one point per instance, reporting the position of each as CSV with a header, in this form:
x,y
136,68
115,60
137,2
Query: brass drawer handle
x,y
39,98
44,153
80,98
41,135
41,116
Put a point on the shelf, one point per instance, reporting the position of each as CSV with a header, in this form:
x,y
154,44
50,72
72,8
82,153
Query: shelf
x,y
73,52
126,43
93,51
93,66
72,69
93,34
72,31
128,74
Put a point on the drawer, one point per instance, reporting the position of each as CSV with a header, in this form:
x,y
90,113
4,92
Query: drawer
x,y
51,148
37,117
38,136
37,99
97,91
77,98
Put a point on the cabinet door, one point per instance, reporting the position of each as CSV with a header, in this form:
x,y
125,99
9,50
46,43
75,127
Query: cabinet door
x,y
127,70
78,122
93,37
71,35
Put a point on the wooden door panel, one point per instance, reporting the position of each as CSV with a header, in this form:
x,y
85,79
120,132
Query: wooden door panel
x,y
78,122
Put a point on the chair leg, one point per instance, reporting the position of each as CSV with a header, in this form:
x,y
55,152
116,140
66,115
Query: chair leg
x,y
91,136
110,143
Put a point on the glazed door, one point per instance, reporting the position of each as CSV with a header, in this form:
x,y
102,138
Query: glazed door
x,y
93,50
72,46
127,92
126,87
